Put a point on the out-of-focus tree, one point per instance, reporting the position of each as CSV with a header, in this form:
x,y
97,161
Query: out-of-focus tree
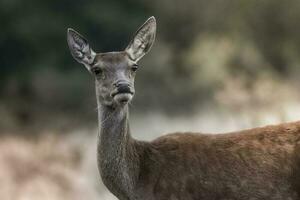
x,y
201,46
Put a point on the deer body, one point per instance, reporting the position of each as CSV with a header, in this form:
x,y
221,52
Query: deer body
x,y
256,164
261,163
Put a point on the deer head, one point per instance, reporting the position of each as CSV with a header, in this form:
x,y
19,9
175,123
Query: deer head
x,y
114,72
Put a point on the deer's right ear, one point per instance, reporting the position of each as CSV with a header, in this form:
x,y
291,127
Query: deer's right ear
x,y
80,48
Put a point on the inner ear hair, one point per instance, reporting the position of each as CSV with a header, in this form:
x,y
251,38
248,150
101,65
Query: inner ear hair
x,y
142,40
79,48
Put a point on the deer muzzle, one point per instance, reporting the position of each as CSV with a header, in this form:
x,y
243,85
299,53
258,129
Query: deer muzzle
x,y
123,93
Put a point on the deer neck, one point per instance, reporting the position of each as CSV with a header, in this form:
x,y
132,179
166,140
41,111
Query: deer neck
x,y
118,160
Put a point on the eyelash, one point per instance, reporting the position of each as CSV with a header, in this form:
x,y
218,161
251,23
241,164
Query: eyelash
x,y
134,68
97,70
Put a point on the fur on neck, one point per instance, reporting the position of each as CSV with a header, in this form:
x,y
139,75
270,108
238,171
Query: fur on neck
x,y
118,160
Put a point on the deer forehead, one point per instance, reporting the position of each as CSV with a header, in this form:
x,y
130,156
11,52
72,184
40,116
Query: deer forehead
x,y
113,59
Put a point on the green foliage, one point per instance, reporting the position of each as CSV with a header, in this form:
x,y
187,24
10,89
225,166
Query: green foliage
x,y
200,45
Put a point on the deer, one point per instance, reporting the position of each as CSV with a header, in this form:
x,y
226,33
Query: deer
x,y
254,164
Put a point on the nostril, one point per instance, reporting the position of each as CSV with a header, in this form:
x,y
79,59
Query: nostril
x,y
116,84
120,83
124,85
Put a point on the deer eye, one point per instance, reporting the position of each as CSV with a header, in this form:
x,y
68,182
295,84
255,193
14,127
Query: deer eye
x,y
97,70
134,67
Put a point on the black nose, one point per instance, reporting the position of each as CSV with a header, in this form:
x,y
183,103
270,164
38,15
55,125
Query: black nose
x,y
122,87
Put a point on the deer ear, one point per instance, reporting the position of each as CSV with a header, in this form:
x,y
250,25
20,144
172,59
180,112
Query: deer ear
x,y
80,48
142,40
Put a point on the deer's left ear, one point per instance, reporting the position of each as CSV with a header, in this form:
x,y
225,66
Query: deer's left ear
x,y
143,40
80,48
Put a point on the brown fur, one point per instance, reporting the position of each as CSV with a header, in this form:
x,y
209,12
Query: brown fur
x,y
260,163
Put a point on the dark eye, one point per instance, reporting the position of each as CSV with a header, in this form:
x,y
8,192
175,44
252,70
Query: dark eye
x,y
134,67
97,70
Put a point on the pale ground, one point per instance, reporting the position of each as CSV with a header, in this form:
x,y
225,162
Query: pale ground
x,y
63,167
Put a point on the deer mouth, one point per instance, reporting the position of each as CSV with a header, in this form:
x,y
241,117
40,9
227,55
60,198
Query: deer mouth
x,y
122,97
120,93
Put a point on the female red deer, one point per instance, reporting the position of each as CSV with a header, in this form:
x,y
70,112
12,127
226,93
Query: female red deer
x,y
256,164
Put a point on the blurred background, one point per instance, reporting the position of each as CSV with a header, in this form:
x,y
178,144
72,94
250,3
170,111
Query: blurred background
x,y
216,66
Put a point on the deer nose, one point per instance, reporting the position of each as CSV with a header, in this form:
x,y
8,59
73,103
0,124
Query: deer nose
x,y
120,83
122,87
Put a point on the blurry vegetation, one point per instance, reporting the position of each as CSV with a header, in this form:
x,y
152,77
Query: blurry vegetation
x,y
220,65
233,53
